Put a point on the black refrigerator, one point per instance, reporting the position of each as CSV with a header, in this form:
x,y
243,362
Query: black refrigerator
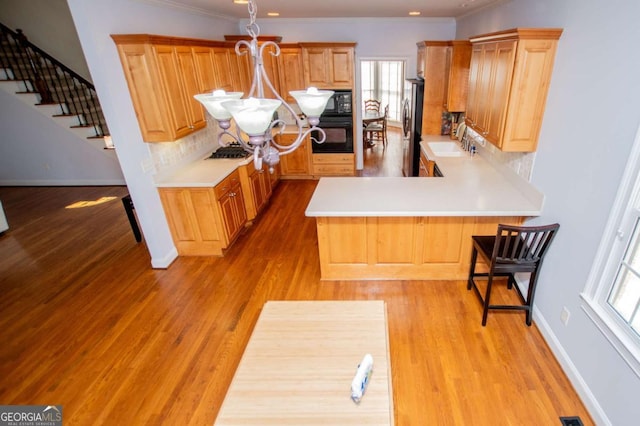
x,y
411,148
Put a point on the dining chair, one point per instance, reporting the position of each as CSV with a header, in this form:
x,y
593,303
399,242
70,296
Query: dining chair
x,y
513,249
377,130
371,105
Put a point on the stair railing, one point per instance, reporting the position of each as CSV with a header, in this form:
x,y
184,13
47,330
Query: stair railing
x,y
52,80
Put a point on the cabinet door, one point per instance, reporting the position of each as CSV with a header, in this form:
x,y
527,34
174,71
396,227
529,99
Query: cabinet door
x,y
458,76
241,71
297,162
192,219
143,79
260,188
291,72
190,87
447,77
475,69
270,64
233,212
316,66
222,58
205,68
169,71
341,67
499,89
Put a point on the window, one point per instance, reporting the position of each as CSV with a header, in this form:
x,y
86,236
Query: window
x,y
384,81
612,294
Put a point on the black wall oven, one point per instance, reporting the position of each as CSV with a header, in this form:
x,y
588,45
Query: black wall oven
x,y
339,131
337,123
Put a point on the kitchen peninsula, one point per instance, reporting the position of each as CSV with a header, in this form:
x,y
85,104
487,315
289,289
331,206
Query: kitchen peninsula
x,y
416,228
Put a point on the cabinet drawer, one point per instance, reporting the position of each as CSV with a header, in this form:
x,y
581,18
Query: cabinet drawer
x,y
333,159
227,184
333,169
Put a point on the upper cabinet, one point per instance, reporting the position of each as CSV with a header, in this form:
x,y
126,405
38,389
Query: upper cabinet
x,y
444,65
291,71
328,65
433,58
508,83
457,75
163,75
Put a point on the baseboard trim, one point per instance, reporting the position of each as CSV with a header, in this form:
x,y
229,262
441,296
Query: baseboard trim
x,y
570,369
165,261
63,182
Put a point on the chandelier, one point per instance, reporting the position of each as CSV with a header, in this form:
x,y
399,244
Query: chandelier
x,y
255,115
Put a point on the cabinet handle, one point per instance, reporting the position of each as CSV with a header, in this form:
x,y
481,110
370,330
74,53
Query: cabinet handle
x,y
191,126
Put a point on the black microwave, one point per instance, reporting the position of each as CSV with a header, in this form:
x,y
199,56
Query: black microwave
x,y
339,104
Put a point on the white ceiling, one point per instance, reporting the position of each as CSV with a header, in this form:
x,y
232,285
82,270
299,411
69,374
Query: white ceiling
x,y
334,8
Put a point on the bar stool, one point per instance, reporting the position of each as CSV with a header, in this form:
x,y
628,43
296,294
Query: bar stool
x,y
513,249
128,208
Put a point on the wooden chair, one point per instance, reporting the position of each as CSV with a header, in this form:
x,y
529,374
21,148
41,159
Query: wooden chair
x,y
377,130
513,249
371,105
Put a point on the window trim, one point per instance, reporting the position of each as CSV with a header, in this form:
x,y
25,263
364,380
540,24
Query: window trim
x,y
603,272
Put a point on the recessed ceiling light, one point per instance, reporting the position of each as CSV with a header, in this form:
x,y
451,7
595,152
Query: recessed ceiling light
x,y
241,1
414,13
273,14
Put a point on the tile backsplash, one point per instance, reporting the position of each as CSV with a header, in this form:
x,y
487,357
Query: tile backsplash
x,y
168,156
521,163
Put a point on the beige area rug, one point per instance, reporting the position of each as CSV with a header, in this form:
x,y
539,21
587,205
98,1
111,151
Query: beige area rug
x,y
300,361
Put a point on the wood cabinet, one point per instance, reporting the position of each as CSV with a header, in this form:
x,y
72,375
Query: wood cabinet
x,y
333,165
427,166
407,248
296,165
458,59
328,65
256,188
508,83
432,56
162,79
213,68
205,221
231,202
291,71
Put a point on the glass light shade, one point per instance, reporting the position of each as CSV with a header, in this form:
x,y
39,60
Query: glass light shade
x,y
252,115
312,101
212,102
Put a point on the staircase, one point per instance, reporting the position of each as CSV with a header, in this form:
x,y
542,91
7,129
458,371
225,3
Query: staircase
x,y
56,90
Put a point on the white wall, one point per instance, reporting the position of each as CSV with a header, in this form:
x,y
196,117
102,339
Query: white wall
x,y
376,37
592,114
48,25
95,20
35,150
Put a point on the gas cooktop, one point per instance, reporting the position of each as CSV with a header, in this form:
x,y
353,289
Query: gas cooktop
x,y
230,151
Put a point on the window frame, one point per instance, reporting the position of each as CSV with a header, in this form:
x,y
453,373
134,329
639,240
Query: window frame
x,y
376,78
611,251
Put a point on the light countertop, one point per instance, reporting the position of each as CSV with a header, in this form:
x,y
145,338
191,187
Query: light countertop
x,y
202,173
471,186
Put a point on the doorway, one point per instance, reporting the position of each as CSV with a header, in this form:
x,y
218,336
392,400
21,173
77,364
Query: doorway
x,y
384,80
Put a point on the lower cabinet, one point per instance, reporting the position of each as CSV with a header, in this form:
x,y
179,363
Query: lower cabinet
x,y
333,164
407,248
205,221
295,165
426,166
256,188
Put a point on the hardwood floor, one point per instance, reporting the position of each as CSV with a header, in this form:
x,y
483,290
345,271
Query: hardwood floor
x,y
85,322
380,161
